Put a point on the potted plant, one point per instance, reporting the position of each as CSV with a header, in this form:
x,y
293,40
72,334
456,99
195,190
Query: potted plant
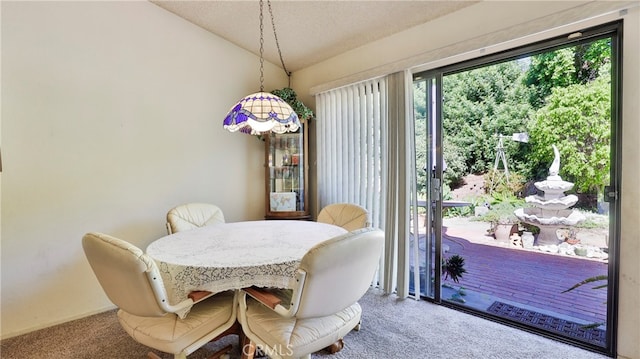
x,y
453,267
289,96
503,222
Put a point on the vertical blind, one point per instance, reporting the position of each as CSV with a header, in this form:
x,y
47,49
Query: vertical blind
x,y
363,149
351,145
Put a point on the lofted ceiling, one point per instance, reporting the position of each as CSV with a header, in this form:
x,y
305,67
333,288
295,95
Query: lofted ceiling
x,y
308,31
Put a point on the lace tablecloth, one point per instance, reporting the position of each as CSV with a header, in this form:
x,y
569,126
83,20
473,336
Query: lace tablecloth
x,y
236,255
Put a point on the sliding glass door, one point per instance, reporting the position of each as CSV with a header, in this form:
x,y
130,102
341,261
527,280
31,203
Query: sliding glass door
x,y
514,211
426,209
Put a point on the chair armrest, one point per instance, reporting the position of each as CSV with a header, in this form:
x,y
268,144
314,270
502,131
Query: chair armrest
x,y
285,302
263,296
198,295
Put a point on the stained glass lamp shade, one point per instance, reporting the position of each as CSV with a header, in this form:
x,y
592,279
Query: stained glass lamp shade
x,y
261,112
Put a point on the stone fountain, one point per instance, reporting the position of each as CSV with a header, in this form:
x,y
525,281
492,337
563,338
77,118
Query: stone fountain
x,y
550,210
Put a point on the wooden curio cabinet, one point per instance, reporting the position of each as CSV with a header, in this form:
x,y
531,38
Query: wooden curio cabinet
x,y
286,175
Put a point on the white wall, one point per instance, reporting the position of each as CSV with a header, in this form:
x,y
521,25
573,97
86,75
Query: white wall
x,y
111,115
490,26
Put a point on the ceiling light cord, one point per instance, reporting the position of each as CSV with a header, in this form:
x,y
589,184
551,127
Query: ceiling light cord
x,y
273,25
262,50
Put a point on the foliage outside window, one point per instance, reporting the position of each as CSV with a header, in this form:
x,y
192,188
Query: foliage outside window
x,y
562,97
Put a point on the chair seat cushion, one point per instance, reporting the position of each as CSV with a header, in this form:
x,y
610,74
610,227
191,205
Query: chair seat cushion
x,y
294,338
171,334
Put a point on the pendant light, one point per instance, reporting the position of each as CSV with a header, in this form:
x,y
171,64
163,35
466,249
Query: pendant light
x,y
262,112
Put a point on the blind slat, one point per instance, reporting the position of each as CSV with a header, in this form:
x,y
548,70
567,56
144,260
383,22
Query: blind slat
x,y
350,146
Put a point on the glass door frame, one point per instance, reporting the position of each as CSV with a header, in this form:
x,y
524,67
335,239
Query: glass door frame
x,y
434,154
433,168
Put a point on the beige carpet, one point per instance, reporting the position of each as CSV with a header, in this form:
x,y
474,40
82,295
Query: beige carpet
x,y
391,329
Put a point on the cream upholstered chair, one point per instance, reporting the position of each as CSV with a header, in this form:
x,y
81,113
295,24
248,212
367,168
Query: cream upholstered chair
x,y
193,215
132,282
322,308
346,215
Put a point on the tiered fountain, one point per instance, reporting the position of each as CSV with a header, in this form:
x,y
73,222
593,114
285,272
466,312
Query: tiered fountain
x,y
549,211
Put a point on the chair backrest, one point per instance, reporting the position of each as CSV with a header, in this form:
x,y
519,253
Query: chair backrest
x,y
346,215
338,272
123,271
193,215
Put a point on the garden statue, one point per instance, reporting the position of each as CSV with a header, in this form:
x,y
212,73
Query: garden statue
x,y
549,211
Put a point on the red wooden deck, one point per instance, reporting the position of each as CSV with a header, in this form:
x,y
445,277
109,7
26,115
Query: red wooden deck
x,y
532,279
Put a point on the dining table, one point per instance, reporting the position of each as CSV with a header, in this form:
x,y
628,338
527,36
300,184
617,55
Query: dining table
x,y
235,255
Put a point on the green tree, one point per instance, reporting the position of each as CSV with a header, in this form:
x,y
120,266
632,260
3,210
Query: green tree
x,y
550,70
420,127
455,162
592,60
578,64
560,97
576,119
479,105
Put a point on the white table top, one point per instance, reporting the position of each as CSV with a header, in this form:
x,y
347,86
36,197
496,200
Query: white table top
x,y
236,255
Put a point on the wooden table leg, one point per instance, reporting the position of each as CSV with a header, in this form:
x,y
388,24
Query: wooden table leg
x,y
248,348
336,347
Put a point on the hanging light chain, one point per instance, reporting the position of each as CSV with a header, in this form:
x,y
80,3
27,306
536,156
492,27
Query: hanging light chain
x,y
258,113
262,49
273,25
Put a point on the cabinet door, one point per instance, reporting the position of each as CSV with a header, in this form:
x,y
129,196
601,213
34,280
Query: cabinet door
x,y
286,175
